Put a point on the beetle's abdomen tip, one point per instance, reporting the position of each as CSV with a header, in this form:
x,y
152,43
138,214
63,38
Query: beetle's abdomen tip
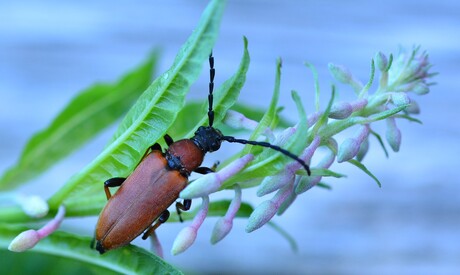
x,y
100,248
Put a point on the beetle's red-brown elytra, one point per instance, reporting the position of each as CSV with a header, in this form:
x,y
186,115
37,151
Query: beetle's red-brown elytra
x,y
142,197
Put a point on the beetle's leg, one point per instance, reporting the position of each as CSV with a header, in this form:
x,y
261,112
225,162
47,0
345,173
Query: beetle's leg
x,y
168,140
161,219
184,206
113,182
203,170
155,146
206,170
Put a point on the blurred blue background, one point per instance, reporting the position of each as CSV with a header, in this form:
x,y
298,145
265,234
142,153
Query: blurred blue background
x,y
50,50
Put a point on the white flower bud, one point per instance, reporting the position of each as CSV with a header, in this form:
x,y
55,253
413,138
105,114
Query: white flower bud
x,y
24,241
184,240
400,99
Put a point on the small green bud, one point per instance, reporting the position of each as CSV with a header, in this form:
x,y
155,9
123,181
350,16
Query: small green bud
x,y
382,61
363,150
421,88
393,134
340,73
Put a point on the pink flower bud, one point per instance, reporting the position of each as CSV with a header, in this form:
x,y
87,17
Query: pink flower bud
x,y
211,182
28,239
187,235
225,224
340,110
350,146
358,104
306,183
267,209
239,121
24,241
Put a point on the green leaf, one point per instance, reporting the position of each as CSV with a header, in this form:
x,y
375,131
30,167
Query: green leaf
x,y
316,84
410,118
324,185
286,235
379,139
269,115
323,120
323,173
148,120
365,170
125,260
91,111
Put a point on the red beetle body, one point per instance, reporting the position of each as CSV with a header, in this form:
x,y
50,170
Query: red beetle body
x,y
154,185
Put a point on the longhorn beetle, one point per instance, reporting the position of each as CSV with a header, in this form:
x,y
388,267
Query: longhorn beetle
x,y
141,203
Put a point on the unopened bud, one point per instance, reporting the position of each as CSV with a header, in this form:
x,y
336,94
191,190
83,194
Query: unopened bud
x,y
340,73
400,99
341,110
350,146
237,120
413,108
382,61
363,150
393,134
421,88
24,241
267,209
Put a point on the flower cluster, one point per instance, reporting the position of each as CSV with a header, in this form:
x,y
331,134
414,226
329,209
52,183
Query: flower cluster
x,y
400,79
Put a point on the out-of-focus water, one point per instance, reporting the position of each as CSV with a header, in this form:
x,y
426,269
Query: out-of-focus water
x,y
49,50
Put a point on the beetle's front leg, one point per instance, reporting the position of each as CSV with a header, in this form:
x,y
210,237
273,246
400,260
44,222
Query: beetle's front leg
x,y
184,206
164,216
113,182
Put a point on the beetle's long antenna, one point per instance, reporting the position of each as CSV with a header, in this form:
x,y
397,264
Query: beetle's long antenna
x,y
268,145
212,72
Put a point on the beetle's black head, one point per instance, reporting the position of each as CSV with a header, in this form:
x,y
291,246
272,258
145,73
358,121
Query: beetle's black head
x,y
208,138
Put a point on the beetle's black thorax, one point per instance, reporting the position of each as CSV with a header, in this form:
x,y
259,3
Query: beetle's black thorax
x,y
208,139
